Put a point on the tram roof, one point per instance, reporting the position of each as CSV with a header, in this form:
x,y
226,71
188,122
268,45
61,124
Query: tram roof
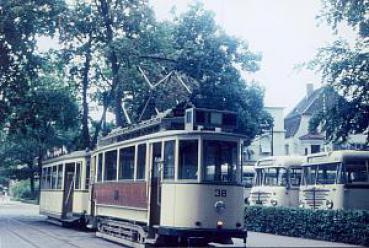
x,y
69,156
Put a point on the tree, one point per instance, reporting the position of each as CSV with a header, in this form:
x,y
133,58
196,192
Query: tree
x,y
21,21
214,59
345,70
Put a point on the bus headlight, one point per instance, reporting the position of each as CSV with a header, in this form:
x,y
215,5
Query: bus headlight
x,y
301,204
274,202
329,204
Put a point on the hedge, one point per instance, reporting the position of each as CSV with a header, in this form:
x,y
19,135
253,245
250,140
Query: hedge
x,y
347,226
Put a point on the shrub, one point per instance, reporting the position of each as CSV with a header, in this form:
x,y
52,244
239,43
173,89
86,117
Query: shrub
x,y
21,190
348,226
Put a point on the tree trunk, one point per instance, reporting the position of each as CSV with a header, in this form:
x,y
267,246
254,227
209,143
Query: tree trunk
x,y
32,184
85,85
117,91
102,120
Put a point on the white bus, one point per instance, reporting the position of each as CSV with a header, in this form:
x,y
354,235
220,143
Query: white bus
x,y
277,181
248,174
336,180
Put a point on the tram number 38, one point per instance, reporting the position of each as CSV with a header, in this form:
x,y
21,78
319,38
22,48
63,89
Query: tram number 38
x,y
220,193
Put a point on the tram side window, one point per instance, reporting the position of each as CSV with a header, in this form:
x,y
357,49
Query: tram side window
x,y
356,172
55,177
220,161
188,159
60,176
295,176
141,161
110,173
77,182
87,180
168,172
126,162
99,168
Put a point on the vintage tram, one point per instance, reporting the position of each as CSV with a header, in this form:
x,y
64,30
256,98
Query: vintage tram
x,y
172,180
64,195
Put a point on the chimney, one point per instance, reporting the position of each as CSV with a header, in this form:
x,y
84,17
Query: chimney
x,y
309,89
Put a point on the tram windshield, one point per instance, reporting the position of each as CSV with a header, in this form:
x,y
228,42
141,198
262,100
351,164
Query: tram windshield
x,y
220,161
320,174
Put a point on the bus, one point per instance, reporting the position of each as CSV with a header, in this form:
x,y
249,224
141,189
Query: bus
x,y
336,180
248,174
277,181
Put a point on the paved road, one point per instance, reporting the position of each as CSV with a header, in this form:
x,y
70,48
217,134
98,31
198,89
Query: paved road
x,y
22,227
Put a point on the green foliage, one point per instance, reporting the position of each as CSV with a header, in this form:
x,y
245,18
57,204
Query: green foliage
x,y
348,226
345,69
21,190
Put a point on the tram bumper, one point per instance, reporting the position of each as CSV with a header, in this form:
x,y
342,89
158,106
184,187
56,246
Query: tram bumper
x,y
207,235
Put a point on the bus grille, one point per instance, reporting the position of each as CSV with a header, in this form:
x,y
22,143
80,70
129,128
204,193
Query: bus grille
x,y
315,197
260,197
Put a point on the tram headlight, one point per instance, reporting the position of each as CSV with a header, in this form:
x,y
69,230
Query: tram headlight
x,y
274,202
329,204
220,224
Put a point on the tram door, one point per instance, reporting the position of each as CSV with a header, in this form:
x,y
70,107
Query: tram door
x,y
68,189
155,184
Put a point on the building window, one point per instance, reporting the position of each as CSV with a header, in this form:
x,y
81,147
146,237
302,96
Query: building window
x,y
99,167
169,159
141,161
126,162
287,149
306,151
110,172
188,155
315,148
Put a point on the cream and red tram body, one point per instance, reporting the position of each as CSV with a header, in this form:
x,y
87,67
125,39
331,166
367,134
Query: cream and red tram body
x,y
171,180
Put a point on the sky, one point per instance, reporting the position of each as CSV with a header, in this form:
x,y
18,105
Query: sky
x,y
285,32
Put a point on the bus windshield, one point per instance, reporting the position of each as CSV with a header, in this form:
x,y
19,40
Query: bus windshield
x,y
320,174
259,177
275,176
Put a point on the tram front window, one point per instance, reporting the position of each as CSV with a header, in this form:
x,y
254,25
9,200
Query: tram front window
x,y
220,161
275,177
188,150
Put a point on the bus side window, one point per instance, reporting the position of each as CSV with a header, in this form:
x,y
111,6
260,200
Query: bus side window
x,y
356,172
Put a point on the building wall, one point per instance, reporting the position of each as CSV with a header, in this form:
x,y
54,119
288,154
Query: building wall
x,y
261,146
